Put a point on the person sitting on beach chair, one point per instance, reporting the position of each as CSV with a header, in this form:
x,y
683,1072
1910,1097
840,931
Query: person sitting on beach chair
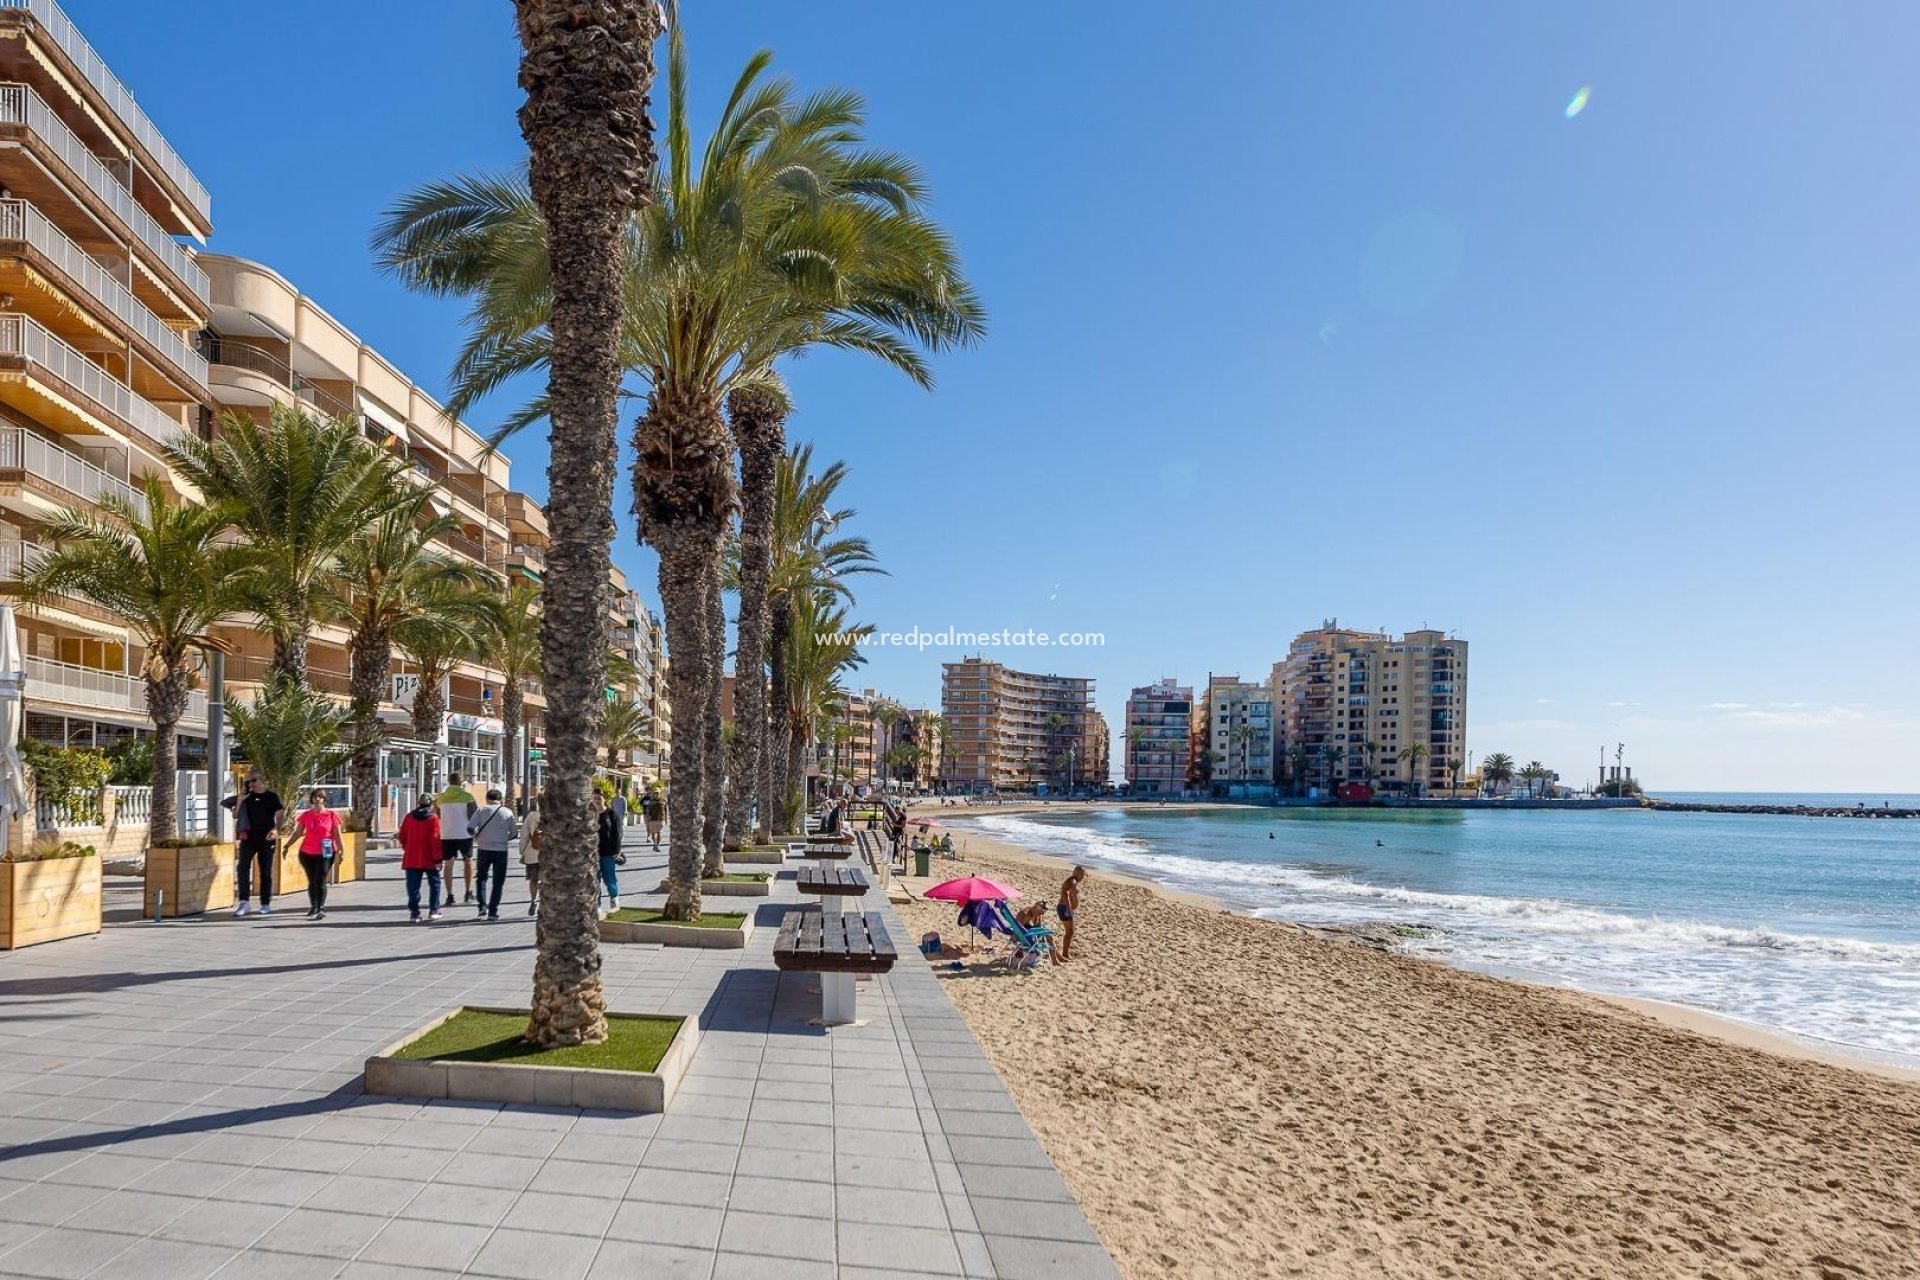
x,y
1028,941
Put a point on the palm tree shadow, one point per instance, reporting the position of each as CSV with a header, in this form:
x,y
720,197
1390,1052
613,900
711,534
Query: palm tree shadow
x,y
333,1101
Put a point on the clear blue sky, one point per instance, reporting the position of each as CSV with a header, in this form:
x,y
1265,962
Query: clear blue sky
x,y
1299,310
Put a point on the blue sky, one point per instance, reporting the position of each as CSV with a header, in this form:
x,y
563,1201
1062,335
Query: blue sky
x,y
1299,311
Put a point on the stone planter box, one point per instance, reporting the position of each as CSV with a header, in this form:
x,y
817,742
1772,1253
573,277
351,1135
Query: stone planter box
x,y
528,1085
194,879
736,888
761,857
49,899
677,935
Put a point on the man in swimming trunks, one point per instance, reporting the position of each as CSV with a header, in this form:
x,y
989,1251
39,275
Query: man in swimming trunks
x,y
1068,908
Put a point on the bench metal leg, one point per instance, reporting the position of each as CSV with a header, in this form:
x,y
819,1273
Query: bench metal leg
x,y
836,999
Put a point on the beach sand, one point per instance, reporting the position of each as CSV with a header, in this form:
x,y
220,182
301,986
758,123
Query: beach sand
x,y
1235,1097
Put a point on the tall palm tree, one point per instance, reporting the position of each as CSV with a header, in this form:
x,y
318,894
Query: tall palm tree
x,y
301,489
167,569
1242,736
1496,769
888,715
1454,765
1536,775
389,574
445,627
1372,748
1332,757
586,67
623,728
513,649
1413,755
1299,756
820,646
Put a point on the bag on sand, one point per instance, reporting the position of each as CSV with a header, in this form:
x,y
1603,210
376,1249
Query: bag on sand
x,y
929,944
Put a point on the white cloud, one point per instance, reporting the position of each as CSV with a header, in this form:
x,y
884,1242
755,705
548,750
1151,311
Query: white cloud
x,y
1811,719
1726,706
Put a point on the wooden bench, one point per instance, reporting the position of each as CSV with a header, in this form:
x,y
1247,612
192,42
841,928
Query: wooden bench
x,y
841,846
836,947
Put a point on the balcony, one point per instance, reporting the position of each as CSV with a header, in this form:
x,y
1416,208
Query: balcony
x,y
102,690
20,221
94,70
466,546
21,106
47,358
229,354
26,458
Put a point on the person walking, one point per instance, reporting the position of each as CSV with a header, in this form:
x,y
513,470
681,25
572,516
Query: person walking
x,y
493,831
620,804
320,844
420,856
256,822
530,855
650,811
607,828
457,807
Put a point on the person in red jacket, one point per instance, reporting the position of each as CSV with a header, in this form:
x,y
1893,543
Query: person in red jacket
x,y
420,857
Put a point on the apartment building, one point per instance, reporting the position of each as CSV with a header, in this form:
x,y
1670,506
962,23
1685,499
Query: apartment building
x,y
1159,735
1239,736
1012,730
917,730
99,301
1096,752
1349,704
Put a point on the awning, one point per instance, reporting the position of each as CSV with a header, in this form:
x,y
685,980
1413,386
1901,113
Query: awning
x,y
390,421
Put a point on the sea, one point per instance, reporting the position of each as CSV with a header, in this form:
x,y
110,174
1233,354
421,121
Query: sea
x,y
1808,927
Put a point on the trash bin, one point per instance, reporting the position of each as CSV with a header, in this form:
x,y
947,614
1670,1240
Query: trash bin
x,y
923,862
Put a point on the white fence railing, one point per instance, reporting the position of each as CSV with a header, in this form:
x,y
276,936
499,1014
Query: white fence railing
x,y
132,806
25,337
19,104
21,450
21,221
96,72
88,687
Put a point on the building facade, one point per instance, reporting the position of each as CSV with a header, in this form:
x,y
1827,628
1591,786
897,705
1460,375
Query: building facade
x,y
1010,730
1363,706
1096,752
1239,733
99,304
1159,734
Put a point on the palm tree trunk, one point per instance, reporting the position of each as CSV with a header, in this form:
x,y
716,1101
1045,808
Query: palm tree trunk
x,y
683,561
513,709
759,429
429,713
166,703
713,782
372,658
586,67
779,770
290,641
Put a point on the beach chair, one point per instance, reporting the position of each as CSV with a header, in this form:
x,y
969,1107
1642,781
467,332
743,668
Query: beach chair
x,y
1029,945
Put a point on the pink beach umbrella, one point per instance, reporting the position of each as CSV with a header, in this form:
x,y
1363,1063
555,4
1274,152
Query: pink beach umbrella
x,y
972,889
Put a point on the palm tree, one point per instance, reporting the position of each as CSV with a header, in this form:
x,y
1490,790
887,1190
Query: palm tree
x,y
888,715
445,627
1333,756
1242,737
1412,755
1536,775
1299,755
301,490
293,735
586,67
1372,748
513,649
387,575
821,644
1495,770
164,567
1454,765
623,728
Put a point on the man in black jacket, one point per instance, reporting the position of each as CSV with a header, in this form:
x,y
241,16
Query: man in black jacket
x,y
257,825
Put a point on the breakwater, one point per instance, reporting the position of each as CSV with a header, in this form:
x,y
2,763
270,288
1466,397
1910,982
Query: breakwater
x,y
1786,810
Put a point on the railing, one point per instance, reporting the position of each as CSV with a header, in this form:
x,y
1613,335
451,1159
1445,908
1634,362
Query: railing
x,y
237,355
21,450
244,669
96,73
465,546
21,105
23,336
132,806
21,221
90,687
82,811
16,556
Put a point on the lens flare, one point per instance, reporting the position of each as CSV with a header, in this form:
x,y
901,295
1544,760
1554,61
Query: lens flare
x,y
1579,102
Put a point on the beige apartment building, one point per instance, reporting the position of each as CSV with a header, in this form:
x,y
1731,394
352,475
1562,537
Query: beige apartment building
x,y
1159,732
1239,734
1349,703
99,305
1012,730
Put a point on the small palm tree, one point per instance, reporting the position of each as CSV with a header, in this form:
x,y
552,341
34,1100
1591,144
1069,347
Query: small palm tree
x,y
1412,755
1332,756
1454,765
1372,748
1242,737
624,727
1536,775
291,734
166,568
445,628
1299,756
1496,770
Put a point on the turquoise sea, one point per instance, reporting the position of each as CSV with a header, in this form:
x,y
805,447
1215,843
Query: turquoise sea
x,y
1807,926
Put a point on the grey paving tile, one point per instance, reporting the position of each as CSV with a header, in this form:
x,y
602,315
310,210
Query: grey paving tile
x,y
413,1163
692,1157
554,1118
505,1140
1019,1258
890,1205
473,1206
782,1195
49,1203
234,1223
324,1233
602,1148
858,1170
777,1236
625,1260
676,1186
730,1104
678,1224
535,1255
417,1243
565,1215
1021,1152
105,1170
171,1260
15,1234
1008,1182
1038,1219
582,1178
264,1264
314,1157
474,1169
133,1212
803,1166
871,1244
750,1266
65,1253
678,1128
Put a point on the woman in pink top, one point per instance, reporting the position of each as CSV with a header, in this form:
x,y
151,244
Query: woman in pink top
x,y
320,842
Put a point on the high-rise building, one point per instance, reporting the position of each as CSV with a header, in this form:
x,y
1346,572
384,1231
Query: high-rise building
x,y
1159,734
1011,730
1364,706
1096,753
99,302
1239,720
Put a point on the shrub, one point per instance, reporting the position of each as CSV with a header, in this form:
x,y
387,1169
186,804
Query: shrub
x,y
183,842
67,776
48,848
132,761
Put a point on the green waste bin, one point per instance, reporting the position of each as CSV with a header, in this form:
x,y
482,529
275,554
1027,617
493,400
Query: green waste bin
x,y
923,862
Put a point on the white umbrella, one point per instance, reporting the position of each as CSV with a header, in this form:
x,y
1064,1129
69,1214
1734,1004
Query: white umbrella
x,y
12,685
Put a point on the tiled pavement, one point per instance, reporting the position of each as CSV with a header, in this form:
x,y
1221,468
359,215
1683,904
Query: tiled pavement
x,y
182,1100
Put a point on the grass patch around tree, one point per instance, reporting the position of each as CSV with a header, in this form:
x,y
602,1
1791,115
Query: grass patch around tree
x,y
633,1043
741,877
653,915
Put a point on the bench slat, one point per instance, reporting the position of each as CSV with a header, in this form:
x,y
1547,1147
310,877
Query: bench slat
x,y
851,943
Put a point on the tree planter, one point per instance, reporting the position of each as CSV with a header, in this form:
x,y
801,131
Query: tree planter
x,y
48,899
348,865
759,855
753,888
194,879
533,1084
666,933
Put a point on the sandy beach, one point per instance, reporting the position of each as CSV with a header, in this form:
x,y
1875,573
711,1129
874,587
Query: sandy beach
x,y
1232,1097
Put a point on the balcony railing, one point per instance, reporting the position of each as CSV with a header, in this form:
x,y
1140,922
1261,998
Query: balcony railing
x,y
237,355
21,450
96,73
25,337
88,687
21,105
21,221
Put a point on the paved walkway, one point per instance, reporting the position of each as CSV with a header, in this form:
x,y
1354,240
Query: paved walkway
x,y
182,1100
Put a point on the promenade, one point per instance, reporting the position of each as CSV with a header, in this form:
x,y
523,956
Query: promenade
x,y
183,1100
